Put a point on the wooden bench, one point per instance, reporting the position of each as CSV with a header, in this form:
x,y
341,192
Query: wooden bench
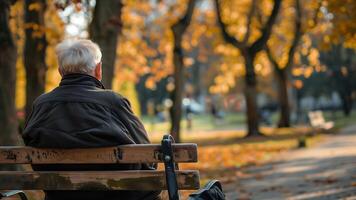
x,y
317,120
170,179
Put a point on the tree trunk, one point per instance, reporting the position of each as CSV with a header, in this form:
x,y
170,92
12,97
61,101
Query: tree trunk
x,y
8,55
281,73
104,30
177,94
251,97
284,119
178,30
34,52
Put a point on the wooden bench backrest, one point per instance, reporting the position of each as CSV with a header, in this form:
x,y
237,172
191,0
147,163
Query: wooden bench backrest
x,y
138,153
95,180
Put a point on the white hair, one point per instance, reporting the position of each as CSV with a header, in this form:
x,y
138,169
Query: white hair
x,y
78,56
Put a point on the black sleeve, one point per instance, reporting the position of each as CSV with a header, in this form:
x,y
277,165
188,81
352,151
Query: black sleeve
x,y
26,129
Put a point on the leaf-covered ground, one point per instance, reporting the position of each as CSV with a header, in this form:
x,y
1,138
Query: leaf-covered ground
x,y
223,154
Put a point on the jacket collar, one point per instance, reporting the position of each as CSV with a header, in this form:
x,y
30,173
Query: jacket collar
x,y
80,79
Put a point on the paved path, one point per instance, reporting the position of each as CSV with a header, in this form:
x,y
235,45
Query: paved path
x,y
326,171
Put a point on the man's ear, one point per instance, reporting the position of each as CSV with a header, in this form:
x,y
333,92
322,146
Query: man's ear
x,y
98,71
60,72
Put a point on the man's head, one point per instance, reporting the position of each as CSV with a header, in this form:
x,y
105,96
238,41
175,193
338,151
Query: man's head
x,y
79,56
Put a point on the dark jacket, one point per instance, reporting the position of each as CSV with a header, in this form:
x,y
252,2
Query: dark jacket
x,y
80,113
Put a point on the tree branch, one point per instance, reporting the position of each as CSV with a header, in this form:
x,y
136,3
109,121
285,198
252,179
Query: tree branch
x,y
259,44
271,58
317,10
5,35
183,23
249,21
298,33
227,37
294,45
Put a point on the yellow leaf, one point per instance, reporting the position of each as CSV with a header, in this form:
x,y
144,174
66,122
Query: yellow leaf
x,y
35,6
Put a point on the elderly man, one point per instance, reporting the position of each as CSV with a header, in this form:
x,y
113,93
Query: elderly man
x,y
81,113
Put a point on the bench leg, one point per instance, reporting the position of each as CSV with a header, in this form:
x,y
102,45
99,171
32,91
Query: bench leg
x,y
12,193
169,165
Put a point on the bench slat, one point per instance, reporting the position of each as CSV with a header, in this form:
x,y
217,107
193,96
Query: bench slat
x,y
95,180
138,153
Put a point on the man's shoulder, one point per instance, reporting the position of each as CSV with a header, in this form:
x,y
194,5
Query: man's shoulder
x,y
118,98
113,93
48,96
101,96
42,98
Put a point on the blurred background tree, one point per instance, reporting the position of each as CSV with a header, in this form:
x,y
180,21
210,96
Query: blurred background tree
x,y
178,29
104,29
281,69
249,50
8,56
34,50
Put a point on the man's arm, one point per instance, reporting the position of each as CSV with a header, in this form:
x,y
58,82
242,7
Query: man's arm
x,y
135,128
28,122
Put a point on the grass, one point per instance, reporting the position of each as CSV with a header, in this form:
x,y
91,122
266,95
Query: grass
x,y
203,122
233,126
339,118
